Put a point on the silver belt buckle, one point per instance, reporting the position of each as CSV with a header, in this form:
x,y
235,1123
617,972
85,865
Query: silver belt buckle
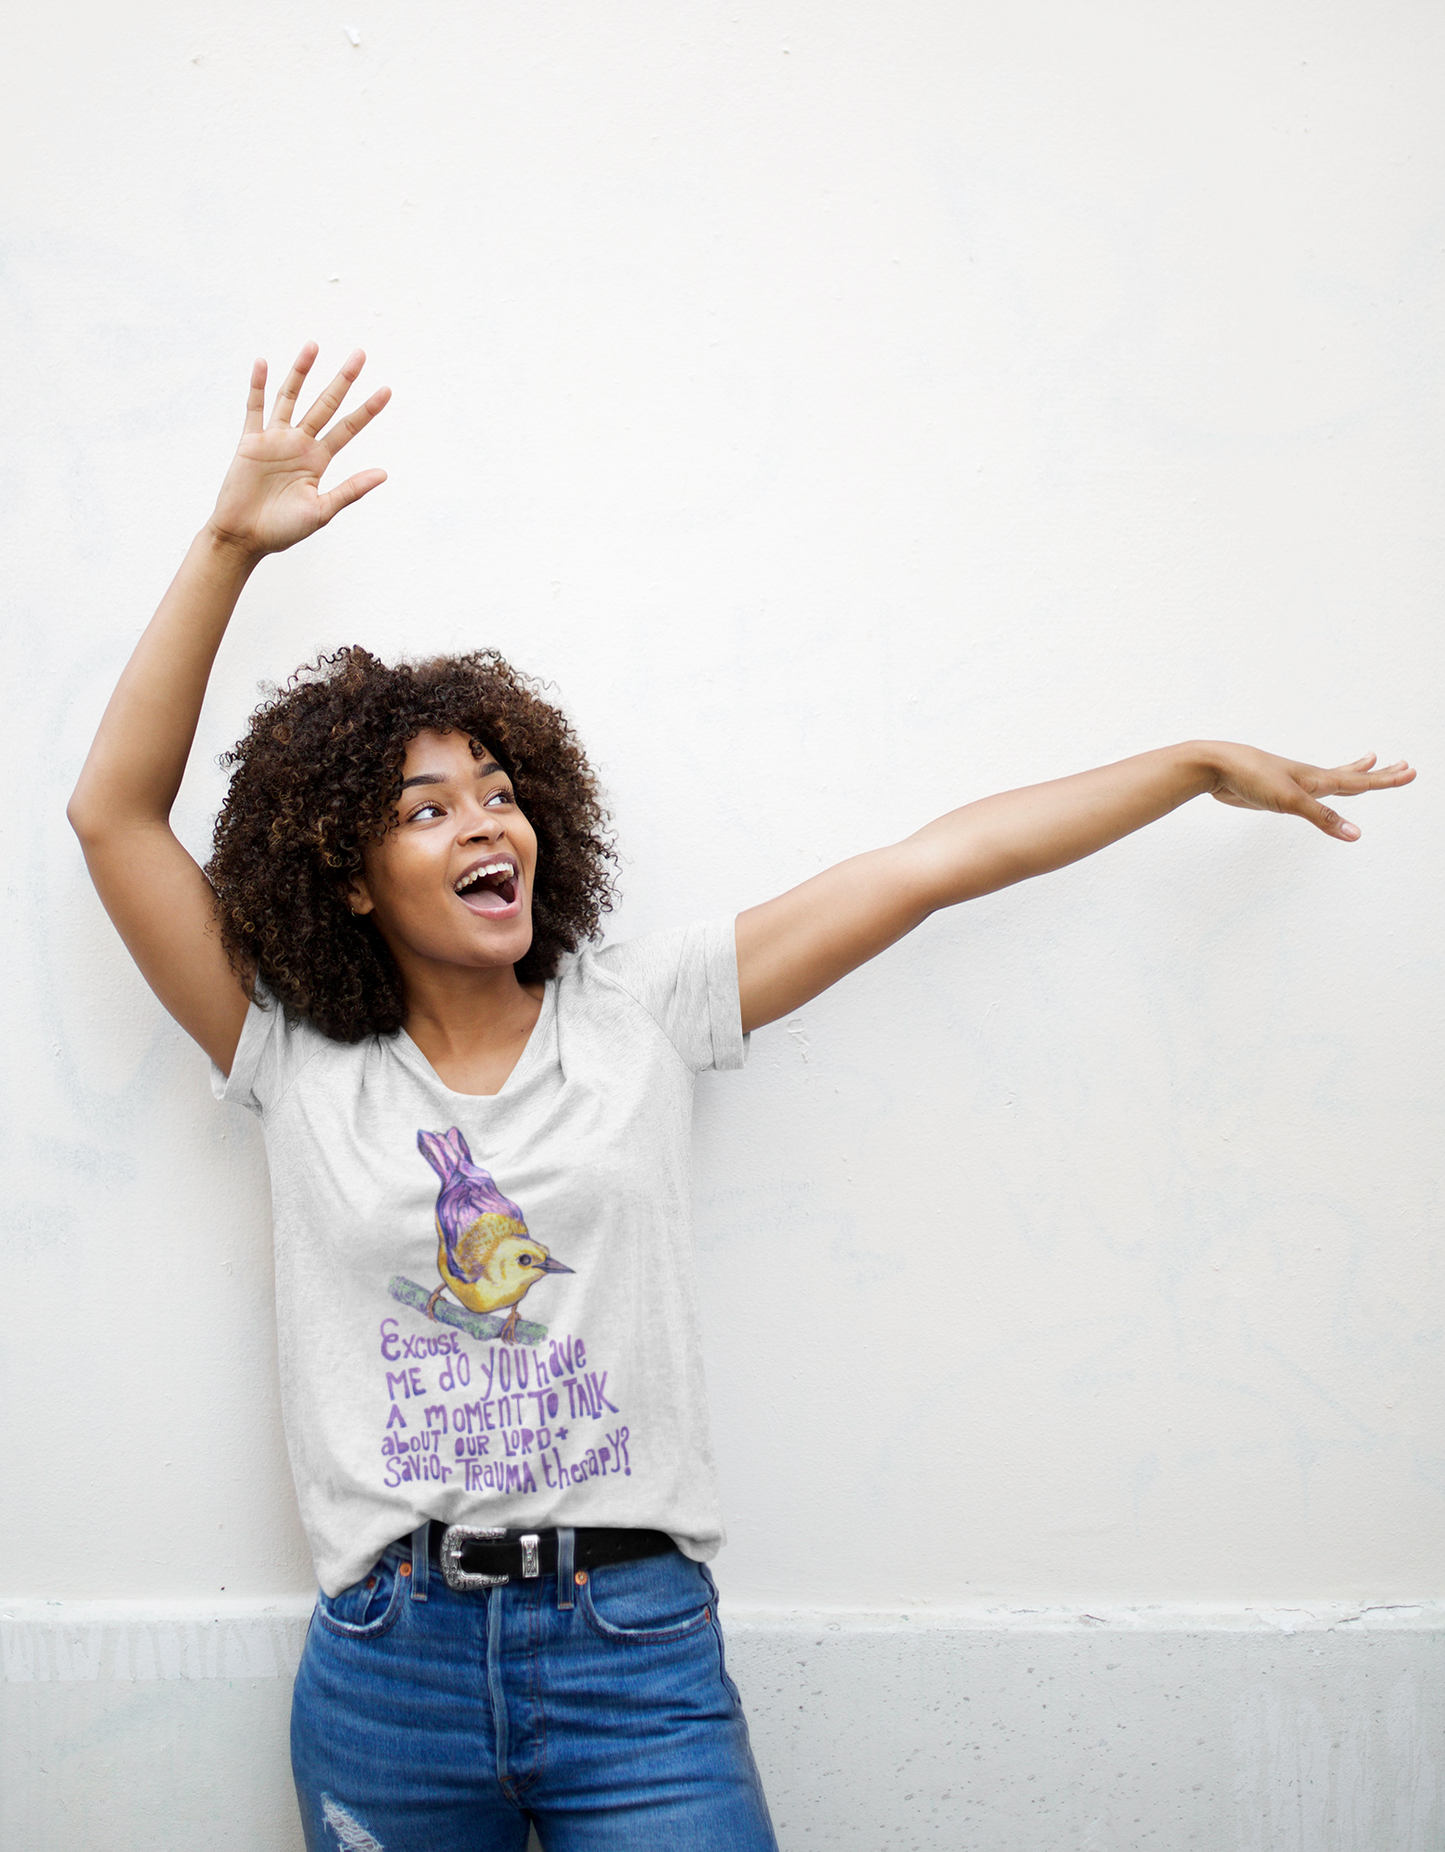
x,y
457,1536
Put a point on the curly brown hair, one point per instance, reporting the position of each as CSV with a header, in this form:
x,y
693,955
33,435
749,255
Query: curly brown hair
x,y
317,777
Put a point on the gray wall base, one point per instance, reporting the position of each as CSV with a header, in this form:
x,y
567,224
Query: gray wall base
x,y
128,1729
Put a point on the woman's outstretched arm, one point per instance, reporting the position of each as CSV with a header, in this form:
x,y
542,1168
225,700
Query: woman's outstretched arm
x,y
158,898
791,948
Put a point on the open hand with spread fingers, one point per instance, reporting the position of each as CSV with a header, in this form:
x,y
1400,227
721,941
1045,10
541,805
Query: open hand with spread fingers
x,y
272,495
1255,780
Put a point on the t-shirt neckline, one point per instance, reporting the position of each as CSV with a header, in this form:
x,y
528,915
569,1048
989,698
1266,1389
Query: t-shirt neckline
x,y
531,1054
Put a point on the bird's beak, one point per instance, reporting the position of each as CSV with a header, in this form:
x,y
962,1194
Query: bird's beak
x,y
551,1265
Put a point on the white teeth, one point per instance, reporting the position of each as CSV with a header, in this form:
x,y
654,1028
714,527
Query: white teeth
x,y
482,873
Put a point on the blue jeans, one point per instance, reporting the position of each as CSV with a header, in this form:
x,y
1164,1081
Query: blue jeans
x,y
597,1706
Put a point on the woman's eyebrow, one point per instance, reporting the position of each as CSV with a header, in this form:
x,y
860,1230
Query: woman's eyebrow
x,y
439,778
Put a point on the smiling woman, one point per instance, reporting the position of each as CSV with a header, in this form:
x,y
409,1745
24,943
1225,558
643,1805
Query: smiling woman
x,y
457,1088
348,785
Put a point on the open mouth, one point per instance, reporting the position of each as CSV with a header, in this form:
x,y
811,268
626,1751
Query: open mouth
x,y
492,888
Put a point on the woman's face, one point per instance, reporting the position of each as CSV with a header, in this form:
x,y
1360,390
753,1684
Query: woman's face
x,y
452,883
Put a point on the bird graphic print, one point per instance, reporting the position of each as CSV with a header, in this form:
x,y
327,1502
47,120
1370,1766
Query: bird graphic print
x,y
484,1253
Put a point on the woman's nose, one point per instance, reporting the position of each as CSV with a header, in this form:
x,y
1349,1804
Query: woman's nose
x,y
482,826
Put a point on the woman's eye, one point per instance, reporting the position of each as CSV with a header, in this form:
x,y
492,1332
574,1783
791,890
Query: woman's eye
x,y
423,810
500,797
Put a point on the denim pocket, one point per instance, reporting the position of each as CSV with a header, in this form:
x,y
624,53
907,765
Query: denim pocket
x,y
659,1598
722,1658
369,1607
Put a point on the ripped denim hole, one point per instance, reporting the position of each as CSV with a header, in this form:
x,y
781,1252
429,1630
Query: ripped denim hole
x,y
351,1835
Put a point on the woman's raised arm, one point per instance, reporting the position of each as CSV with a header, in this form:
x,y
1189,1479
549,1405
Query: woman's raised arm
x,y
791,948
156,895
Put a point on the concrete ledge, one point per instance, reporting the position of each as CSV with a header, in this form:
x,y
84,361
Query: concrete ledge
x,y
1309,1727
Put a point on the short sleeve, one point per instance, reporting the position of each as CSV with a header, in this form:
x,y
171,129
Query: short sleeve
x,y
269,1056
687,981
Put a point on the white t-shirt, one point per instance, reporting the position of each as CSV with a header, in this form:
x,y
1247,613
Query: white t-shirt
x,y
418,1229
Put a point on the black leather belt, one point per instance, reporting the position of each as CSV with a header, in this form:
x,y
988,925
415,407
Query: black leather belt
x,y
471,1558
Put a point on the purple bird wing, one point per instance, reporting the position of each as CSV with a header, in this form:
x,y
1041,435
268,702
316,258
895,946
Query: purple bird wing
x,y
467,1192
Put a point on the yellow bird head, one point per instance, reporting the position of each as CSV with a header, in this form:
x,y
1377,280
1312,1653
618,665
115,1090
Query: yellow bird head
x,y
494,1262
517,1261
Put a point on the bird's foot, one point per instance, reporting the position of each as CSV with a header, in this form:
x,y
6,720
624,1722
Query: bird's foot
x,y
431,1304
508,1332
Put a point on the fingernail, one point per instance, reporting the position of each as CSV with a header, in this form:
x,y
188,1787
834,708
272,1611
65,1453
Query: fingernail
x,y
1349,831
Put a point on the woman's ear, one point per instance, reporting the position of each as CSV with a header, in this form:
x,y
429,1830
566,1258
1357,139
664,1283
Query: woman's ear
x,y
357,896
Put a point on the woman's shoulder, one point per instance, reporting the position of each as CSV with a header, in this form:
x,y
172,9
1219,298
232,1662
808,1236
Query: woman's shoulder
x,y
682,978
645,965
277,1046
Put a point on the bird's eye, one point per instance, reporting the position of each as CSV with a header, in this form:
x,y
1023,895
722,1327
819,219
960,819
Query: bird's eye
x,y
524,1260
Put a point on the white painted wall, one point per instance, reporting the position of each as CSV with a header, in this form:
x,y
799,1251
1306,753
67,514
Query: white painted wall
x,y
853,408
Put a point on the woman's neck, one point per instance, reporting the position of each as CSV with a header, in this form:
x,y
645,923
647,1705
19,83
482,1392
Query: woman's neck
x,y
471,1025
